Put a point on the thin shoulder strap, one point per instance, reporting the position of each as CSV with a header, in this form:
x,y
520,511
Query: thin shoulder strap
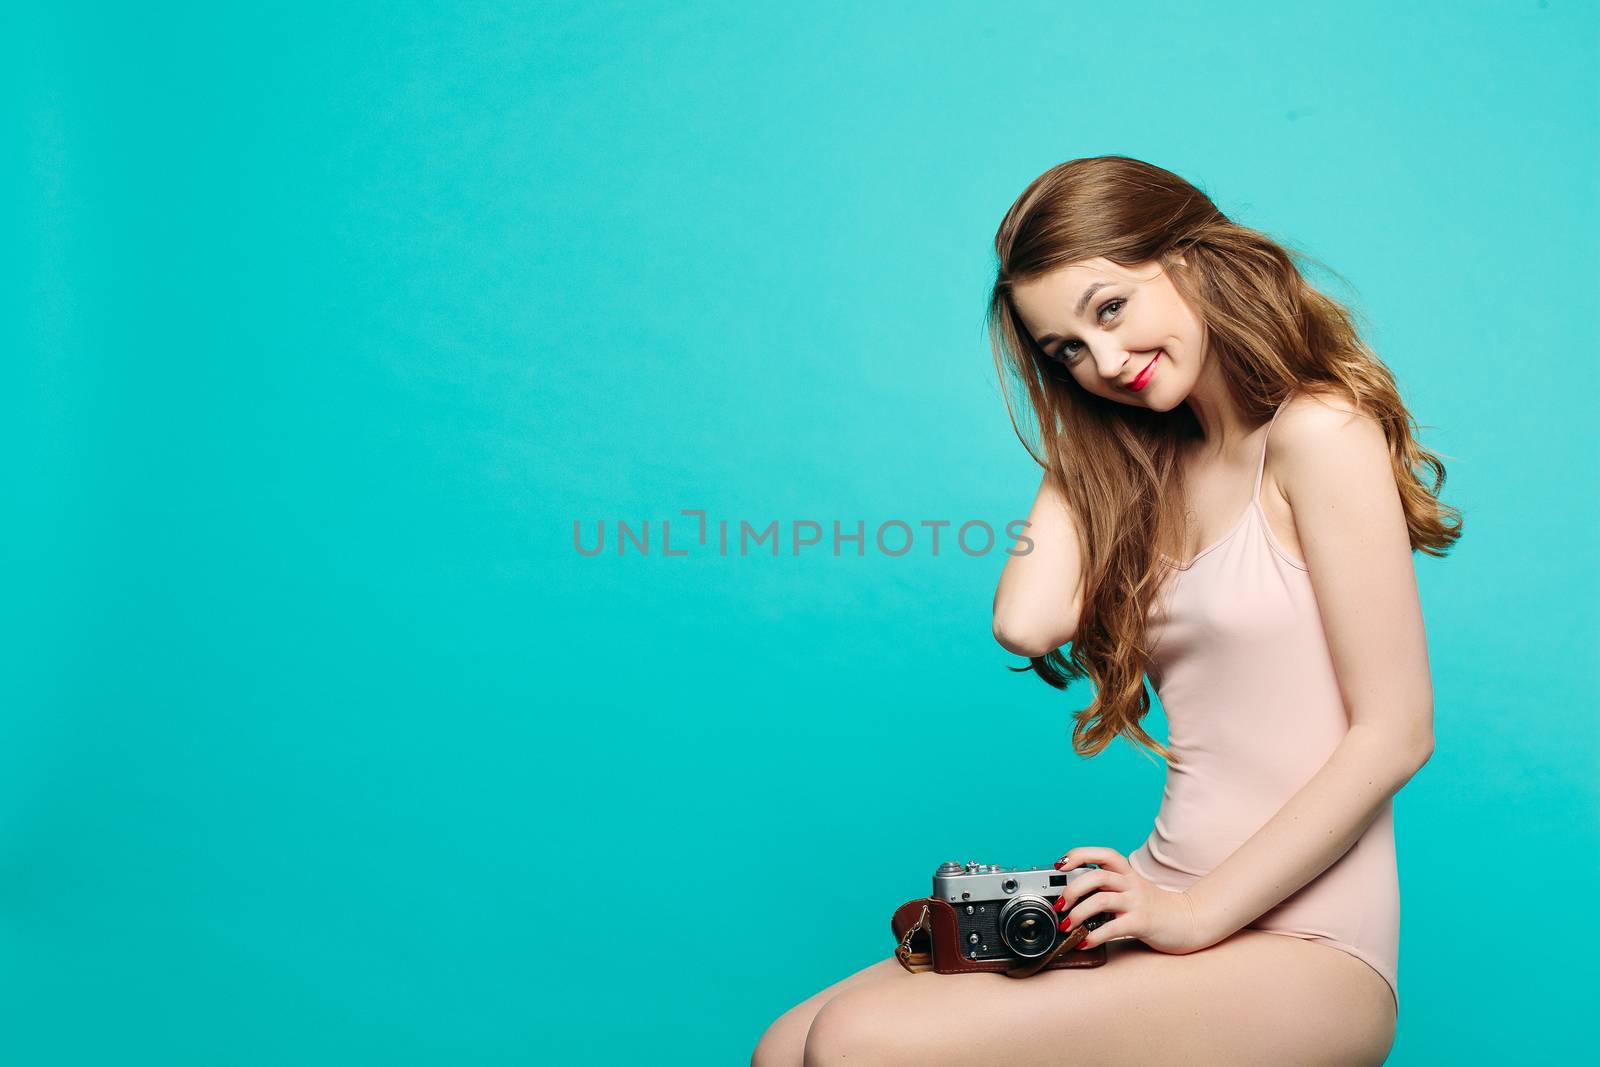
x,y
1261,465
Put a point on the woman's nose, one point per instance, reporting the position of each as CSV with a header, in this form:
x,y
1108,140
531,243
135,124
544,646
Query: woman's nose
x,y
1111,362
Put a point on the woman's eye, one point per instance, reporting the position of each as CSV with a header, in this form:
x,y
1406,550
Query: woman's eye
x,y
1066,351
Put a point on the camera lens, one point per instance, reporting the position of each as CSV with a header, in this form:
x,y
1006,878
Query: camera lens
x,y
1028,926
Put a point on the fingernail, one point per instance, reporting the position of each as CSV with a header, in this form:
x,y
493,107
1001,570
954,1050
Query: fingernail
x,y
1056,904
1065,924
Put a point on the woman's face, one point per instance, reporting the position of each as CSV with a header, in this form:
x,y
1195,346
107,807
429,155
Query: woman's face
x,y
1115,327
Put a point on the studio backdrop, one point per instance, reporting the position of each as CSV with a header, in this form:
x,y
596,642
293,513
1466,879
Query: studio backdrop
x,y
504,501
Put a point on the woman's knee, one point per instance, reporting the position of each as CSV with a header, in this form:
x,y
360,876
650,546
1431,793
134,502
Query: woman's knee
x,y
783,1043
848,1029
889,1024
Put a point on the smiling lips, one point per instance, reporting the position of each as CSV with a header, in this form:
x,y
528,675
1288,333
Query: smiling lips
x,y
1143,377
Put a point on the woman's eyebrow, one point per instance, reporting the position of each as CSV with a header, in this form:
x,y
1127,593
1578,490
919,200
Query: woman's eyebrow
x,y
1083,302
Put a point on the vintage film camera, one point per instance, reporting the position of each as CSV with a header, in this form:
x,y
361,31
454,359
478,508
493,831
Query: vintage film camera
x,y
1005,913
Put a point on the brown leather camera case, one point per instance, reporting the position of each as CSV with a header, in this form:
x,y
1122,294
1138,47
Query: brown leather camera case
x,y
935,945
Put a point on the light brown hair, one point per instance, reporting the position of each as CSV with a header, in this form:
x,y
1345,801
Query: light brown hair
x,y
1272,334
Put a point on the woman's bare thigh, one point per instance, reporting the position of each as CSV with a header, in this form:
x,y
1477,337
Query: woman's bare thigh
x,y
1255,998
784,1041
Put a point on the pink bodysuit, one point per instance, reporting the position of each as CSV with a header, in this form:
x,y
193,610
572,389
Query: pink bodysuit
x,y
1242,667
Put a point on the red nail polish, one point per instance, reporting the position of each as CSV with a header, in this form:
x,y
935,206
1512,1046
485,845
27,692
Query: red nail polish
x,y
1065,924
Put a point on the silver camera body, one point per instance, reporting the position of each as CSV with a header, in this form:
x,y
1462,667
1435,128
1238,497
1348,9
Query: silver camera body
x,y
1005,913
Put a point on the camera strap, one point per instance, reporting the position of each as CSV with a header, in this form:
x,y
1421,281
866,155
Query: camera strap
x,y
916,961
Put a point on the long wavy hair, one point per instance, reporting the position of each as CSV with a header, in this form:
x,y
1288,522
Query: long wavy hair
x,y
1271,333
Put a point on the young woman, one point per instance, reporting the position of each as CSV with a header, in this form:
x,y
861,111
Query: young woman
x,y
1228,507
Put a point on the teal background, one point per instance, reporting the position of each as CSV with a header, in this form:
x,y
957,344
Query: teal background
x,y
323,325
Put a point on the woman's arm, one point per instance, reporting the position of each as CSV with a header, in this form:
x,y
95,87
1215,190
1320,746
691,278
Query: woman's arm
x,y
1352,528
1036,604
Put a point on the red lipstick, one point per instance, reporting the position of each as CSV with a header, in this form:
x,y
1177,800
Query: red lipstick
x,y
1145,375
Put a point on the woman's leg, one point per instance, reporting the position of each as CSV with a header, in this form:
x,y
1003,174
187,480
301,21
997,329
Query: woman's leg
x,y
1255,998
784,1042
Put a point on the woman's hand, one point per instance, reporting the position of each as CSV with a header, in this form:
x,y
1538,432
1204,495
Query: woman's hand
x,y
1161,918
